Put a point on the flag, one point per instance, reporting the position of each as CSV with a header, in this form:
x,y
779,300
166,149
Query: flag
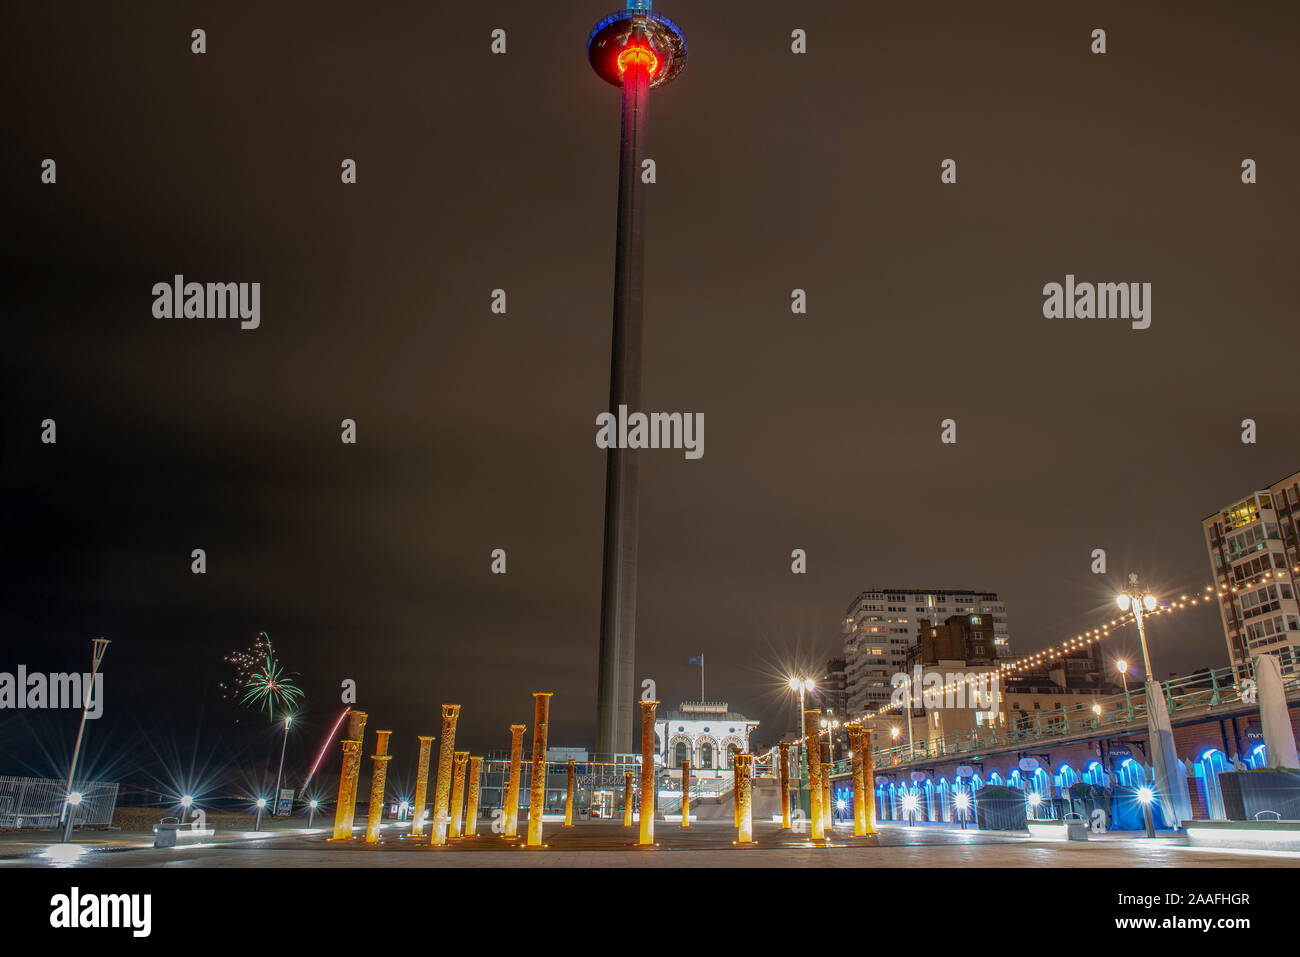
x,y
697,660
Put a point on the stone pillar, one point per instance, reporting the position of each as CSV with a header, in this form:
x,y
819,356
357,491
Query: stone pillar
x,y
859,799
868,780
735,787
686,792
446,757
375,813
512,782
647,773
457,793
421,786
537,800
346,808
471,805
744,799
627,798
812,737
784,749
827,808
568,798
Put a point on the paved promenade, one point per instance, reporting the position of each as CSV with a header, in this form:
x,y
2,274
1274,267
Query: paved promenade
x,y
606,844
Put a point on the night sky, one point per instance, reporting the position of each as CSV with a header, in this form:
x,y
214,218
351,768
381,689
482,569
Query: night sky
x,y
476,431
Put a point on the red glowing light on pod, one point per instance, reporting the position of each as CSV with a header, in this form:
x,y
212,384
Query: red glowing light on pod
x,y
637,54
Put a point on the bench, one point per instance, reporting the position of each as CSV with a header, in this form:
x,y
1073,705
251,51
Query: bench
x,y
170,829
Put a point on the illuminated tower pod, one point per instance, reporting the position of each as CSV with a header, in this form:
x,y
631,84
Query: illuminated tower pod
x,y
636,50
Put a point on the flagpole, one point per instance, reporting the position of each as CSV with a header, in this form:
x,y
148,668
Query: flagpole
x,y
701,677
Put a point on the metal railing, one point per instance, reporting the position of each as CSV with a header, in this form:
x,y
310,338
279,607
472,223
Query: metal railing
x,y
1115,712
39,802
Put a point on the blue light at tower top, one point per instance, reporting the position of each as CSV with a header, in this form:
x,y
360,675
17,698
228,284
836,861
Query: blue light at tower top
x,y
638,4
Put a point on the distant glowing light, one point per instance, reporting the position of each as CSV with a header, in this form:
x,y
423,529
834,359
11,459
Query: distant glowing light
x,y
1035,800
187,801
74,798
910,803
638,55
841,804
1123,601
261,802
1146,795
963,801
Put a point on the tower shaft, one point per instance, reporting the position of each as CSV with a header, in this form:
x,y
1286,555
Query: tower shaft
x,y
615,689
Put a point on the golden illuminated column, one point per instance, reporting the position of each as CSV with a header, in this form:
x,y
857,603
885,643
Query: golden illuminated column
x,y
512,783
735,787
446,758
744,799
457,792
346,808
784,748
647,773
627,798
421,786
859,800
812,742
868,780
686,792
471,805
375,815
537,799
568,799
827,820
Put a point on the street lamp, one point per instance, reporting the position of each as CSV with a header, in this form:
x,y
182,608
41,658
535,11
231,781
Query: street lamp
x,y
311,816
1139,602
803,686
1122,667
963,804
1145,795
1170,775
909,808
97,648
275,797
830,727
261,805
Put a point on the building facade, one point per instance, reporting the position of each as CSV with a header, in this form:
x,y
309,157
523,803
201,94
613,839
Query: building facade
x,y
882,625
1254,552
833,688
705,732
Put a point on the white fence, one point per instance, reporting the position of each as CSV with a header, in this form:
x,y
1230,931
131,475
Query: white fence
x,y
39,803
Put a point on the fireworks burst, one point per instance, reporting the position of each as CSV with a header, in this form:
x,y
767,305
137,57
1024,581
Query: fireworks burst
x,y
260,680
